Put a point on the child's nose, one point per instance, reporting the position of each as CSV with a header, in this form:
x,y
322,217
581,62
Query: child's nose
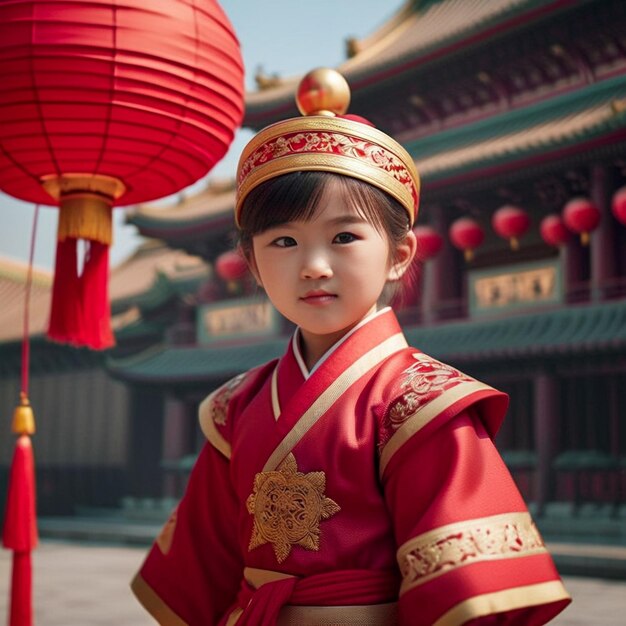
x,y
316,266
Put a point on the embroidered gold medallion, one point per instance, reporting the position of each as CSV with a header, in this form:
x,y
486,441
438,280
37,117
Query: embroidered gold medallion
x,y
288,507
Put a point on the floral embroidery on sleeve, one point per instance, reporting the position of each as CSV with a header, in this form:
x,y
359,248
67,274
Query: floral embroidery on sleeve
x,y
421,383
219,404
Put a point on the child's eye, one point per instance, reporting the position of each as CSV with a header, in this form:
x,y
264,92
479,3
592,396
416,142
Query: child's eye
x,y
345,238
284,242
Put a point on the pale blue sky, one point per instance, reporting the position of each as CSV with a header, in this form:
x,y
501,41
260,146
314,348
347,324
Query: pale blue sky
x,y
288,37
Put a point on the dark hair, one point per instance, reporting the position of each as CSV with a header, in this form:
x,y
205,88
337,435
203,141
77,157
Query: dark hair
x,y
295,197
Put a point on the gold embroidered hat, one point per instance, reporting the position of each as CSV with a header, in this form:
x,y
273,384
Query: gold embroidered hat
x,y
326,140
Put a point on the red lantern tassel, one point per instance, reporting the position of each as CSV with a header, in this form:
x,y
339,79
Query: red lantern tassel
x,y
96,308
66,316
81,313
20,530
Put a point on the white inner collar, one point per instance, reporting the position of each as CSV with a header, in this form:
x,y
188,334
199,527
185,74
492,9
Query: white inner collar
x,y
296,343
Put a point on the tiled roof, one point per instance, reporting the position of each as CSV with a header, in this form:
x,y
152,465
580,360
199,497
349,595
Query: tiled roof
x,y
417,33
414,33
13,276
195,364
145,271
567,122
216,200
576,329
580,329
152,273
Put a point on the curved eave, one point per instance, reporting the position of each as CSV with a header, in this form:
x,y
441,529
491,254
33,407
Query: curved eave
x,y
205,211
410,45
584,329
181,229
189,365
590,122
163,289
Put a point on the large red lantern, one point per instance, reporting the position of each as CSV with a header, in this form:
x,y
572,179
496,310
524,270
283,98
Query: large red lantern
x,y
618,205
466,234
429,242
106,104
581,216
510,222
553,231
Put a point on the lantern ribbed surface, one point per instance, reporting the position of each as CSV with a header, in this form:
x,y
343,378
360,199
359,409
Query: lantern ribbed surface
x,y
149,93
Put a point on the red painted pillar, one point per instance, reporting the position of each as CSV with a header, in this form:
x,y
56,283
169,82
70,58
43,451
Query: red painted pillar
x,y
574,278
176,429
602,246
546,412
440,279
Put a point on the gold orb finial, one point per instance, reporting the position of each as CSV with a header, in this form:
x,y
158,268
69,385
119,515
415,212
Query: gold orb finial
x,y
323,91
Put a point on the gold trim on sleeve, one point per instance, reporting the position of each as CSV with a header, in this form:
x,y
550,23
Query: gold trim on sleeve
x,y
209,429
424,415
436,552
150,601
332,393
506,600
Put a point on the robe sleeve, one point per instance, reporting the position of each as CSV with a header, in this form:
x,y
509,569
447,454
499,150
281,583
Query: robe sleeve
x,y
468,550
193,571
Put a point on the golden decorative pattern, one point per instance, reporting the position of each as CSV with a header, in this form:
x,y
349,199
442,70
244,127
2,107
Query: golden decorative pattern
x,y
219,404
330,143
422,382
438,551
288,507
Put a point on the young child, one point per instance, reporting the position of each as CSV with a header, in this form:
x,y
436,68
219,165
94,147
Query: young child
x,y
354,480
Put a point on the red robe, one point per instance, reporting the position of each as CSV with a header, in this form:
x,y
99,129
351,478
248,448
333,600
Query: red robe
x,y
371,483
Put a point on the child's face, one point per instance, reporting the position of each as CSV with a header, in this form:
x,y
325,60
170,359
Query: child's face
x,y
326,274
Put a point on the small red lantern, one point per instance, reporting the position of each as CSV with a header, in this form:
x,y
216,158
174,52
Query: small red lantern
x,y
581,216
618,206
429,242
231,265
553,231
510,222
466,234
108,104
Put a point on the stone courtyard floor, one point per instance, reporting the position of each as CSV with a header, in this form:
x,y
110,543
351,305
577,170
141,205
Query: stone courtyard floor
x,y
79,584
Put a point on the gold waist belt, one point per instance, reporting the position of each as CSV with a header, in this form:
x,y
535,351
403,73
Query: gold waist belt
x,y
365,615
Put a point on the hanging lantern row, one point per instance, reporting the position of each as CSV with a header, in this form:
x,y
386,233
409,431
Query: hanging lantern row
x,y
579,215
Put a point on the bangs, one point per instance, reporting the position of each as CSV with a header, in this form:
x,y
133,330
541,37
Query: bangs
x,y
296,196
287,198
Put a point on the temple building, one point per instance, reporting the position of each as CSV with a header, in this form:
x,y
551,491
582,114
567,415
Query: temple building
x,y
515,114
515,111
